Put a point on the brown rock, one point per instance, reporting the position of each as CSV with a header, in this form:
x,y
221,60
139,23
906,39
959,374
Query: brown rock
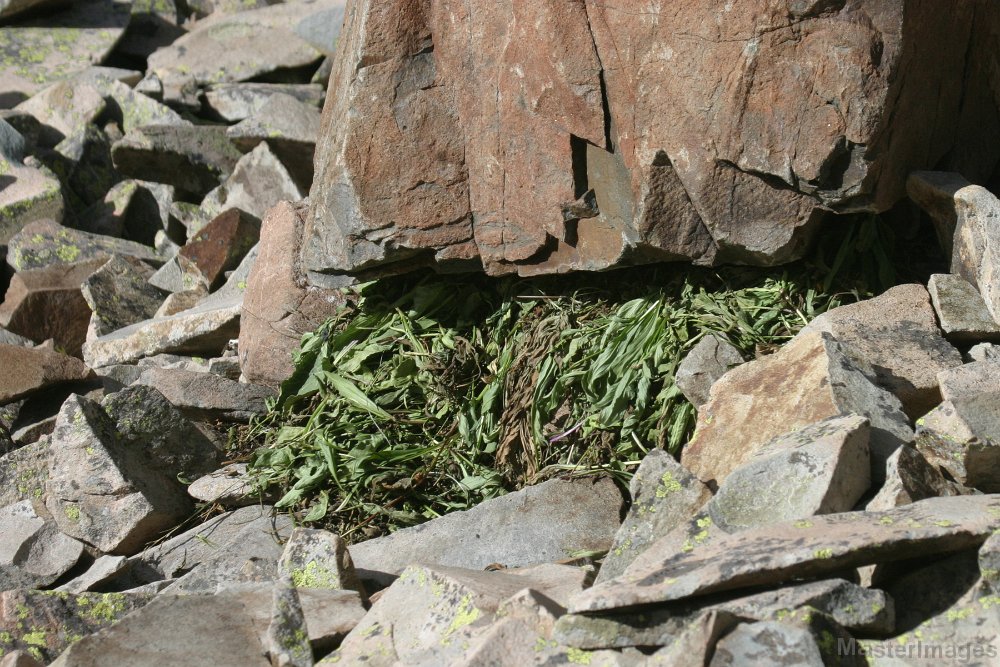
x,y
27,369
279,306
222,243
545,137
48,303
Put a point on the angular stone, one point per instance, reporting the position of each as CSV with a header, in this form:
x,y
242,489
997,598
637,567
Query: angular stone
x,y
119,294
23,472
289,126
205,396
711,358
102,569
204,330
318,559
279,306
34,296
27,370
694,646
129,108
221,244
961,310
63,109
928,589
767,643
82,161
539,524
779,552
287,641
958,436
44,623
57,45
909,478
136,209
259,182
46,242
102,488
192,158
229,486
30,194
180,275
968,380
983,352
664,495
989,563
806,381
11,338
154,24
33,553
234,102
897,335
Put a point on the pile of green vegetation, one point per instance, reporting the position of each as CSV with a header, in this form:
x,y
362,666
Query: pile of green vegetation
x,y
429,394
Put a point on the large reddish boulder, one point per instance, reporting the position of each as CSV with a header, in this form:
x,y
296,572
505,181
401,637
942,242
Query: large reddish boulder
x,y
544,136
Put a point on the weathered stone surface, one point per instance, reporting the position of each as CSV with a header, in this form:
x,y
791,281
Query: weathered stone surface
x,y
178,275
930,588
287,640
44,623
49,303
46,242
539,524
57,45
983,352
968,380
203,330
136,209
852,606
192,158
234,102
207,396
102,569
767,642
909,478
897,335
711,358
129,108
959,436
154,24
696,144
33,553
989,563
229,486
961,311
318,559
806,381
28,369
11,338
82,161
279,306
63,109
102,488
23,472
259,182
779,552
694,646
290,127
30,194
119,294
221,244
664,495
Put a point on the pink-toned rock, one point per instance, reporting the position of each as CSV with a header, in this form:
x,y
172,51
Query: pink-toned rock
x,y
27,369
543,137
279,306
221,244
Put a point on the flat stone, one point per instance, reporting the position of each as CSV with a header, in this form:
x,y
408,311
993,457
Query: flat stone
x,y
30,369
967,380
44,623
983,352
289,126
119,294
102,488
808,380
259,182
539,524
909,478
234,102
318,559
711,358
192,158
897,335
203,330
958,436
100,571
778,552
854,607
180,274
23,472
35,294
287,639
33,552
63,109
46,242
205,396
694,646
131,109
767,643
322,29
53,47
229,486
221,244
664,496
279,306
31,194
961,311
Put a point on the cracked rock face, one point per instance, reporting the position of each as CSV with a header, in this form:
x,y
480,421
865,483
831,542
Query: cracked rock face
x,y
545,137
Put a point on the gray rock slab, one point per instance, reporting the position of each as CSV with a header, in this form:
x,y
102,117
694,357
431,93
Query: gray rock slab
x,y
234,102
180,274
767,643
206,396
258,182
119,294
983,352
287,639
960,436
909,478
33,552
63,109
318,559
710,358
968,380
100,571
778,552
130,108
664,495
961,311
30,194
23,472
192,158
46,242
544,523
101,488
203,330
57,45
228,486
290,127
989,564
